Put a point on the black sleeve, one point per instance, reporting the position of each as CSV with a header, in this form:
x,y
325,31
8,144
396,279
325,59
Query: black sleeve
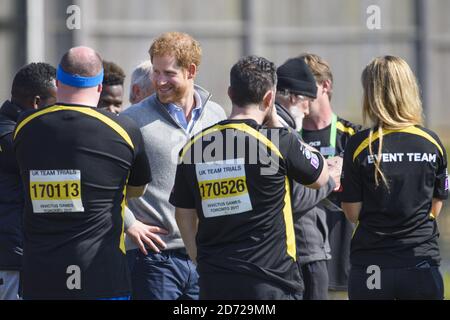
x,y
8,161
351,183
181,195
140,173
302,165
441,183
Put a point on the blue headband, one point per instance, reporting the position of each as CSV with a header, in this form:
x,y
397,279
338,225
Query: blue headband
x,y
78,81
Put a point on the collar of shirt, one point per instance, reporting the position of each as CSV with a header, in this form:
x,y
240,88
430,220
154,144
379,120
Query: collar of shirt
x,y
11,110
178,115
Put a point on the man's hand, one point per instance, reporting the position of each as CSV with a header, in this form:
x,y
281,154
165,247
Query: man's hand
x,y
335,170
143,234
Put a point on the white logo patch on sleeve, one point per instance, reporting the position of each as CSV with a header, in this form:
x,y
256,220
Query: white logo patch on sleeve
x,y
315,161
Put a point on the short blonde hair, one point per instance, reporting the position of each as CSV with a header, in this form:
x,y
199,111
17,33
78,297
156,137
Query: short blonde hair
x,y
182,46
320,69
391,100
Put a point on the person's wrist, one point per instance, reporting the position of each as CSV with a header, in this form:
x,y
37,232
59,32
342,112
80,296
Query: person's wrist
x,y
129,219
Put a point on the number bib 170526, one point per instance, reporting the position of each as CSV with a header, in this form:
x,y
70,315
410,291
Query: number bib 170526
x,y
223,187
56,191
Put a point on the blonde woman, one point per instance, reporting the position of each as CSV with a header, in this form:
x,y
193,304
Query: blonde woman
x,y
394,181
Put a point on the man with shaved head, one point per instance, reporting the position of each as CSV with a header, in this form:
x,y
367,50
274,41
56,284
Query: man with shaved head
x,y
78,165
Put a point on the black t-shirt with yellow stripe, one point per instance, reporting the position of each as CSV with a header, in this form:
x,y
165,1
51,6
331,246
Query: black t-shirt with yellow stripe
x,y
395,227
75,162
237,175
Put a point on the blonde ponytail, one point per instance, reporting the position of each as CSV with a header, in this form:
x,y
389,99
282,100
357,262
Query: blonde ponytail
x,y
377,162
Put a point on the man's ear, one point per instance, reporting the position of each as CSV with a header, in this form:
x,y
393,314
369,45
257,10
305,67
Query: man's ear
x,y
57,83
269,99
36,101
136,89
192,71
326,86
99,88
230,93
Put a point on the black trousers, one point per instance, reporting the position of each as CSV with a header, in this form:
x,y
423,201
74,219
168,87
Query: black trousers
x,y
422,282
228,286
315,279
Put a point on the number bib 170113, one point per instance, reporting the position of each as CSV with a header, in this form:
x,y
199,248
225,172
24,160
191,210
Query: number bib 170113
x,y
223,187
56,191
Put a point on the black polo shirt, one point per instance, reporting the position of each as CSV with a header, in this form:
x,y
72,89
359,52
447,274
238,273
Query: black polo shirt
x,y
237,175
75,162
395,228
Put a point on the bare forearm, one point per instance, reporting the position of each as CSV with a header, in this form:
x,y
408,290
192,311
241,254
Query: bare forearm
x,y
129,218
436,207
187,223
352,210
135,192
323,177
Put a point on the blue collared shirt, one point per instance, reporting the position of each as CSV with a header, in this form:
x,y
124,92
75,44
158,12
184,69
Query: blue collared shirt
x,y
177,113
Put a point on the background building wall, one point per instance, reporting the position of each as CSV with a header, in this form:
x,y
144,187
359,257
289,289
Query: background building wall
x,y
12,42
122,31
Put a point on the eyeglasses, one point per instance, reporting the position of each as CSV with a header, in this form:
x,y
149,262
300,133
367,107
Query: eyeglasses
x,y
299,97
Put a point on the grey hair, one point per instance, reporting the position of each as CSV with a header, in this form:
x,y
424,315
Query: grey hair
x,y
141,75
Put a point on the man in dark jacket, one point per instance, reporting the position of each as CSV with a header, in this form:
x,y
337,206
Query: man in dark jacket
x,y
296,89
33,87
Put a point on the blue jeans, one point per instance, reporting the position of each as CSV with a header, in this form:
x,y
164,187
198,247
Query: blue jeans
x,y
10,286
169,275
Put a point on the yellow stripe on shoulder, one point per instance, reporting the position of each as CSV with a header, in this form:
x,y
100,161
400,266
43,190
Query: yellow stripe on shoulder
x,y
31,117
237,126
340,126
85,110
410,130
